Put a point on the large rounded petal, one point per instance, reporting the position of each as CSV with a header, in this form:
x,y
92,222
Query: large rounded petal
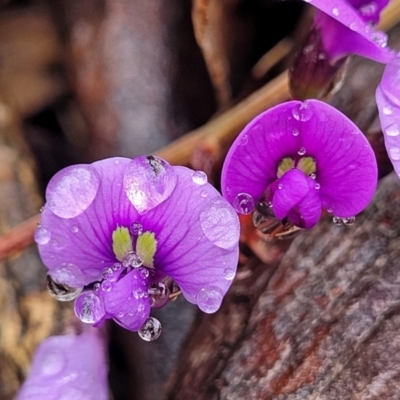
x,y
344,31
68,367
197,235
85,238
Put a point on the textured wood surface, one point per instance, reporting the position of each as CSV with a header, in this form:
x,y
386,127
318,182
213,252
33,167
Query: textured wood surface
x,y
326,325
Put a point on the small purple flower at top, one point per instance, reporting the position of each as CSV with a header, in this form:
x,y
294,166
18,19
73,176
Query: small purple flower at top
x,y
119,236
299,158
388,101
68,367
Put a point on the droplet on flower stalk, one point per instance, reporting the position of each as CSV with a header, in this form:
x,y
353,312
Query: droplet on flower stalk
x,y
148,181
302,112
209,299
42,235
89,307
159,295
243,203
62,292
72,190
150,330
199,177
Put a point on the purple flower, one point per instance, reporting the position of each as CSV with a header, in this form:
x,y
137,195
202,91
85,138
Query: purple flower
x,y
299,158
345,28
126,231
388,101
68,367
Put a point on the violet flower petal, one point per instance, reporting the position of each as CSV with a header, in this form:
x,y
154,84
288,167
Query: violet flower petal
x,y
197,234
344,32
292,188
68,367
388,101
345,162
84,240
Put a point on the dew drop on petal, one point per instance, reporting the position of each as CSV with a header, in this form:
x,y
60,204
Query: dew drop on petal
x,y
109,274
106,286
61,291
72,190
280,186
295,132
243,203
159,295
335,11
68,274
220,223
136,229
203,193
330,210
302,112
392,130
353,26
139,293
394,153
199,177
301,151
89,307
317,186
387,109
337,220
209,299
229,273
380,38
244,140
369,9
52,363
74,229
148,181
312,175
349,220
144,272
117,266
150,330
96,286
42,235
132,259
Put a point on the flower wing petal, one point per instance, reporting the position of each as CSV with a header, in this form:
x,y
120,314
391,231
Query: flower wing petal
x,y
85,239
197,235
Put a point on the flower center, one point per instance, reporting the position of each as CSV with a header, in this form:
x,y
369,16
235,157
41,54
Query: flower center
x,y
124,240
304,164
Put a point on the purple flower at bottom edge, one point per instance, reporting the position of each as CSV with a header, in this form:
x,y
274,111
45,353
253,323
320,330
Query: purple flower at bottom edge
x,y
68,367
121,229
388,101
345,28
300,158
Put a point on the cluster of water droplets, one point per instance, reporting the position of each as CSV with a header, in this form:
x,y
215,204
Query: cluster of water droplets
x,y
344,221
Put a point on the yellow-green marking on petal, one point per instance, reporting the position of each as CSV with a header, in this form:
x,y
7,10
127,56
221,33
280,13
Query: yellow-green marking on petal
x,y
285,165
307,165
146,247
121,242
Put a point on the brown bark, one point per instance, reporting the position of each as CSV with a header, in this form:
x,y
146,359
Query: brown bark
x,y
325,325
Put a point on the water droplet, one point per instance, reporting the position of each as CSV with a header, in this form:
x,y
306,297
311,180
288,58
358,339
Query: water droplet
x,y
117,266
220,223
136,229
68,274
96,286
120,314
132,259
317,186
330,210
229,273
335,11
312,175
159,295
280,186
41,210
337,220
387,109
117,162
144,272
394,153
349,220
89,307
108,274
392,130
61,291
42,235
150,330
244,140
52,363
199,177
301,151
148,181
203,193
302,112
106,286
209,299
74,229
380,38
243,203
71,191
295,132
369,9
139,293
353,26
